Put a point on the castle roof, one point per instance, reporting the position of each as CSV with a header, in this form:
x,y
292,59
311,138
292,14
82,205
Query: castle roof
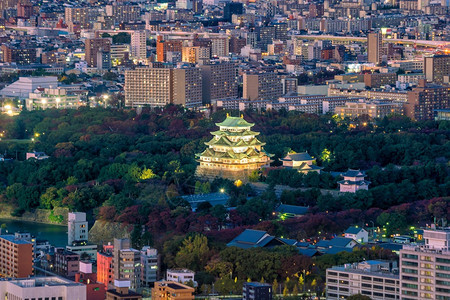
x,y
234,122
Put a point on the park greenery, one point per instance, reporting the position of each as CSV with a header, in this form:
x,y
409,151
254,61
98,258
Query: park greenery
x,y
121,166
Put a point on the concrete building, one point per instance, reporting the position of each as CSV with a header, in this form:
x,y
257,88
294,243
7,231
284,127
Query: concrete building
x,y
51,288
150,263
164,46
121,291
16,257
67,263
376,80
262,86
375,279
374,47
94,290
138,45
219,81
105,265
169,290
79,15
93,46
148,87
425,270
26,85
424,100
180,275
373,109
187,87
436,68
257,291
127,263
77,227
18,55
123,13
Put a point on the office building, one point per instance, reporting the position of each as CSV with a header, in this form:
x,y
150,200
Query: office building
x,y
376,80
425,270
139,45
49,288
150,263
164,46
220,46
123,13
79,15
262,86
119,54
257,291
373,109
375,279
18,55
105,265
16,257
195,54
127,263
436,68
169,290
425,99
121,291
148,87
187,87
374,47
93,46
67,263
219,81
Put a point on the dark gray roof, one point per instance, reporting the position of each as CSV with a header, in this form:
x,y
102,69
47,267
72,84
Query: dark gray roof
x,y
292,209
298,156
353,230
354,173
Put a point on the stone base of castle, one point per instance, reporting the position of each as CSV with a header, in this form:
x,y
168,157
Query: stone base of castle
x,y
211,174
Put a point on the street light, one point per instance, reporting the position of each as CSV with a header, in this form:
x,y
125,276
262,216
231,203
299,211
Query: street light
x,y
105,97
57,102
43,101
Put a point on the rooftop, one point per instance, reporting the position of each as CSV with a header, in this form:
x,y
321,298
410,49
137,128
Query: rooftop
x,y
13,239
234,122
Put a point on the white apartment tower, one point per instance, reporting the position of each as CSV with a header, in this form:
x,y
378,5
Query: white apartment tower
x,y
139,45
77,227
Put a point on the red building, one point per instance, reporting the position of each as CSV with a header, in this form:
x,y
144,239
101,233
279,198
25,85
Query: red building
x,y
94,290
105,268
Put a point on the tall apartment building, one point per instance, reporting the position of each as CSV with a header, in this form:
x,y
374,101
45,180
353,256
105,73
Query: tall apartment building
x,y
425,99
93,46
164,46
262,86
373,109
436,68
374,47
127,263
54,288
425,270
374,279
150,264
138,44
376,80
124,13
77,227
79,15
187,87
195,54
18,55
105,265
16,257
220,46
219,81
67,263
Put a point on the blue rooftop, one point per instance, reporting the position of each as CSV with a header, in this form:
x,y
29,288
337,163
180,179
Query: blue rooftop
x,y
211,198
292,209
12,238
254,238
353,230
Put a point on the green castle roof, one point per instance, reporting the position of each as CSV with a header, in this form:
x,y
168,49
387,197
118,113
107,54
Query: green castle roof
x,y
235,122
234,133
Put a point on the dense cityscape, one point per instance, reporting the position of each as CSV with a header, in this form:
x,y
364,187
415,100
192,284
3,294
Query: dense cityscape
x,y
224,149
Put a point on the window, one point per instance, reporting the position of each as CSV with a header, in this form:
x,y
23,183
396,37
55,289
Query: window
x,y
410,256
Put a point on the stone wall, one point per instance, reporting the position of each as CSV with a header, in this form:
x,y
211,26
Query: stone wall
x,y
103,232
57,216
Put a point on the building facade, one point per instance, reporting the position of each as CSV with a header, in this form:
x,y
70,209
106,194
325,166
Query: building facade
x,y
424,100
16,257
374,47
262,86
169,290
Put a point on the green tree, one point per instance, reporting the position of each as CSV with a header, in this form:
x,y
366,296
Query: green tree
x,y
194,253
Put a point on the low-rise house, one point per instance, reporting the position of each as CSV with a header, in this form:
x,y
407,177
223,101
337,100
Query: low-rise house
x,y
255,238
357,233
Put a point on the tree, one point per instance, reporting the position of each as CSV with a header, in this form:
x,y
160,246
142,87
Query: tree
x,y
194,253
275,286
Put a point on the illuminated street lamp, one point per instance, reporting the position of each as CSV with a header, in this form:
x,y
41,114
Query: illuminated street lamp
x,y
105,97
57,102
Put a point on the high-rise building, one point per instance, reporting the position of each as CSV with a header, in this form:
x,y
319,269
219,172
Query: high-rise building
x,y
232,8
67,263
425,99
164,46
16,257
84,16
196,54
24,10
220,46
236,44
425,270
43,288
18,55
93,46
127,263
374,47
77,227
262,86
124,13
168,290
187,87
139,45
436,68
105,266
150,264
219,81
